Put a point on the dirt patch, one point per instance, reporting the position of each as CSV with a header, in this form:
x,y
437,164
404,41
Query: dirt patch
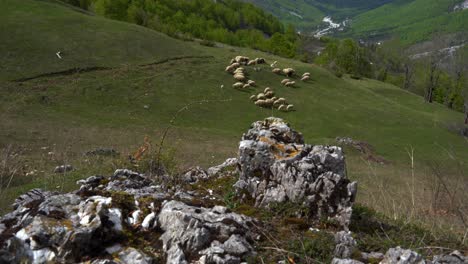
x,y
366,149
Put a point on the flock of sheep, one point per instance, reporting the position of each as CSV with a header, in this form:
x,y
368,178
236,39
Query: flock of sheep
x,y
267,98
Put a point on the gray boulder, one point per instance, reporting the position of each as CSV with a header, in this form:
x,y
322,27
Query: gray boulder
x,y
211,235
399,255
345,245
453,258
276,166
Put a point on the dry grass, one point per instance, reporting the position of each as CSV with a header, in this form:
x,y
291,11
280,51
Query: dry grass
x,y
417,192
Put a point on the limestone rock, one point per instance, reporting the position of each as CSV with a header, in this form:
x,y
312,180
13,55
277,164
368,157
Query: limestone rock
x,y
402,256
276,166
191,231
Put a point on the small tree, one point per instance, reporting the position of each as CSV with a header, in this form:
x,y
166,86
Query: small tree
x,y
433,78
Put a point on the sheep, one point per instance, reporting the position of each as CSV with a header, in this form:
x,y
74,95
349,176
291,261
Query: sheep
x,y
240,77
276,103
251,83
233,61
267,89
260,102
268,102
306,74
282,100
282,107
269,94
290,107
238,85
240,69
284,81
289,72
276,70
229,69
290,84
253,98
260,60
242,59
305,78
274,98
246,86
261,96
251,63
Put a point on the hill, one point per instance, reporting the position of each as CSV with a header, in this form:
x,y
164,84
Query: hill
x,y
34,31
413,21
153,82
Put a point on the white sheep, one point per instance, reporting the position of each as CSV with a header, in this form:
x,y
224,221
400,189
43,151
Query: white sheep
x,y
242,59
290,84
282,107
240,77
246,86
289,72
269,94
251,63
305,78
251,83
260,102
306,74
253,98
261,96
282,100
276,70
290,107
284,81
267,89
238,85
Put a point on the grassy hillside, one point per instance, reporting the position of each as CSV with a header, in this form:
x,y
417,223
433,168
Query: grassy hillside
x,y
53,120
413,21
33,31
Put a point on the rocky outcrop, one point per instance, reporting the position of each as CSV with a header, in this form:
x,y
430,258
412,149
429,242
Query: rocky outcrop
x,y
98,223
276,166
203,234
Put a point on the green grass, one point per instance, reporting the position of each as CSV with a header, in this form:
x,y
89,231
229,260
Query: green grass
x,y
33,31
412,21
75,113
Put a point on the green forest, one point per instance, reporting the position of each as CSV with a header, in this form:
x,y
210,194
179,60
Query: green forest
x,y
229,21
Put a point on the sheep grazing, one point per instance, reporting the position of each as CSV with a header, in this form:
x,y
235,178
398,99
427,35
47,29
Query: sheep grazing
x,y
231,68
242,60
246,86
269,94
260,102
261,96
306,74
285,81
281,100
240,69
276,103
290,107
267,89
276,70
252,62
274,98
305,78
260,60
290,84
240,77
238,85
282,107
253,98
289,72
251,83
233,61
268,102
